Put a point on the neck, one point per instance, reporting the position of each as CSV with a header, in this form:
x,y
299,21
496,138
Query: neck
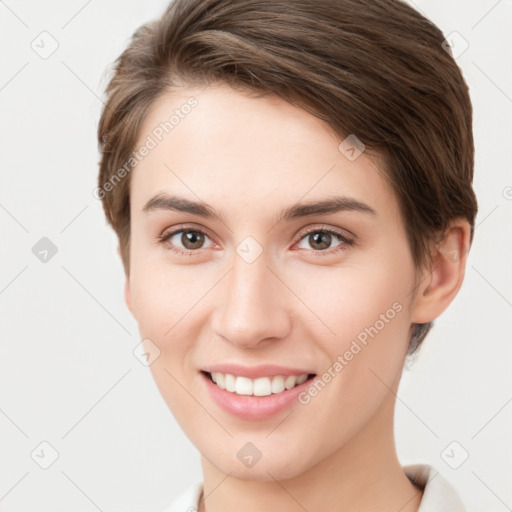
x,y
364,475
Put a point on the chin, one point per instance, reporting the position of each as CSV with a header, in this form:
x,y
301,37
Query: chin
x,y
275,463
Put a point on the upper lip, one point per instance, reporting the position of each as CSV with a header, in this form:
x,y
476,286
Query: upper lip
x,y
253,372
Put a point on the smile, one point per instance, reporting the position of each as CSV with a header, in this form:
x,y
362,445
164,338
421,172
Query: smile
x,y
261,386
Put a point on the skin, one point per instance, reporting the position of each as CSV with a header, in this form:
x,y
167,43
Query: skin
x,y
295,305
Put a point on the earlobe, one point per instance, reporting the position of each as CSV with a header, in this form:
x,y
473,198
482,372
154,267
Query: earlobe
x,y
442,282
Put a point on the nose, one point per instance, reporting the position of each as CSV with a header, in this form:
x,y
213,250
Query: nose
x,y
251,306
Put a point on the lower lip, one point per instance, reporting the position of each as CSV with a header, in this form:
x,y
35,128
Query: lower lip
x,y
253,407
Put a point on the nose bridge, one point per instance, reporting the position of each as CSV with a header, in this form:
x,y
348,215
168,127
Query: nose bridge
x,y
251,306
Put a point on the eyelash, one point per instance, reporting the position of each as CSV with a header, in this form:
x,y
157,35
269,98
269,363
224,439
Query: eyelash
x,y
345,241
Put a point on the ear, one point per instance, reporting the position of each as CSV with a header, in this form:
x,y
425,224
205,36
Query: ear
x,y
439,286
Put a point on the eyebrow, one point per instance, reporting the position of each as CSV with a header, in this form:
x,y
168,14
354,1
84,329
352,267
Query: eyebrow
x,y
163,201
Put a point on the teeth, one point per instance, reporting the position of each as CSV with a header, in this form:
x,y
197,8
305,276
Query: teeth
x,y
290,381
219,379
262,386
301,379
243,386
278,384
230,382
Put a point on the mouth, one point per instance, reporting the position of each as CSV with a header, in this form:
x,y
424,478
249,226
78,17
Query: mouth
x,y
254,393
258,387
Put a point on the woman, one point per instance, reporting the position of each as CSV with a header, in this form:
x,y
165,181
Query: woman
x,y
291,185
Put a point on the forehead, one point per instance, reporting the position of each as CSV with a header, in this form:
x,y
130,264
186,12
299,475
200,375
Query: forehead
x,y
233,149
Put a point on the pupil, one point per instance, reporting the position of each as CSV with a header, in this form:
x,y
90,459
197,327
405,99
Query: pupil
x,y
321,239
192,239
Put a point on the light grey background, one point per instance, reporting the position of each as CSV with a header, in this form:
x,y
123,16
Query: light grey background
x,y
68,373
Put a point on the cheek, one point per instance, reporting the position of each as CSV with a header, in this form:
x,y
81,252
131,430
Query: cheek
x,y
347,302
364,333
164,294
171,305
164,300
368,310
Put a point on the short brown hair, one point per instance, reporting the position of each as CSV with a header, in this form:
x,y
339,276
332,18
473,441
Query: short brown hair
x,y
374,68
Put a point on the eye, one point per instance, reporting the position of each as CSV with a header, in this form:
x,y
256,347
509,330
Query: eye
x,y
184,241
321,240
188,240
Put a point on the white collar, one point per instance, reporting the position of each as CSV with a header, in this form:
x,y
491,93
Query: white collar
x,y
438,494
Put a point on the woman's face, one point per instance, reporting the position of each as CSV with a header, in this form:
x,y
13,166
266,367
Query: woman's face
x,y
231,274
